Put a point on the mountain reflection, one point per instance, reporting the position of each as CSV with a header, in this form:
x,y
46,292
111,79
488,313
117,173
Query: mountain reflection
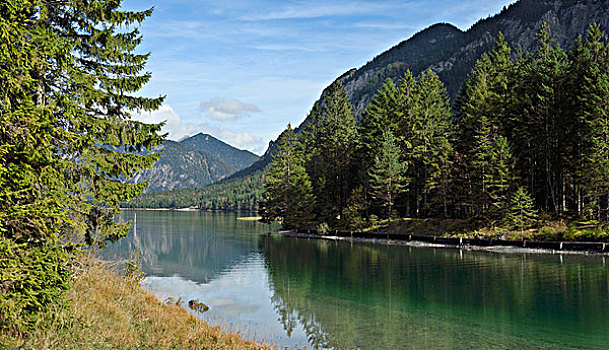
x,y
196,246
341,295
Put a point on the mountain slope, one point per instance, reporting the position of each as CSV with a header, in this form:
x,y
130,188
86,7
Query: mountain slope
x,y
451,53
232,156
181,166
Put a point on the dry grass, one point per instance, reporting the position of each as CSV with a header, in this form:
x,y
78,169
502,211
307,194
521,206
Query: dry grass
x,y
108,311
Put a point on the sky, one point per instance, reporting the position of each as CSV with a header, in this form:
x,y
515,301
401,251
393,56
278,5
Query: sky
x,y
241,70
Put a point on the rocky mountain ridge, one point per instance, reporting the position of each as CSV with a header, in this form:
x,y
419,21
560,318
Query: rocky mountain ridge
x,y
451,53
194,162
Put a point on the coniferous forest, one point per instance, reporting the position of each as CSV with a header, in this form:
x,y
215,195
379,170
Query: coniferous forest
x,y
526,142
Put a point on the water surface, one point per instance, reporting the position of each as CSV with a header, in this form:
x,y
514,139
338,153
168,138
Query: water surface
x,y
320,294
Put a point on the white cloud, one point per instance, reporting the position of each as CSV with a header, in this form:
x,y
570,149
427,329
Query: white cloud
x,y
221,109
177,128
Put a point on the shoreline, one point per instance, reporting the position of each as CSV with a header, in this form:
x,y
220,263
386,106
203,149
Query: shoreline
x,y
471,244
106,309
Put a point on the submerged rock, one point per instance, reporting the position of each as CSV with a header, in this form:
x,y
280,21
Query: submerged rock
x,y
197,306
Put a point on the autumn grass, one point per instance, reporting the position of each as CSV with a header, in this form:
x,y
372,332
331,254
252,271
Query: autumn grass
x,y
109,311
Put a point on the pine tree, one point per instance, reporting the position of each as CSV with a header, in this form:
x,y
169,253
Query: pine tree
x,y
387,174
288,190
429,133
335,145
383,112
69,70
521,212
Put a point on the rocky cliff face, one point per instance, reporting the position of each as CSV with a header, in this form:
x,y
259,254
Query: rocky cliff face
x,y
451,53
232,156
184,167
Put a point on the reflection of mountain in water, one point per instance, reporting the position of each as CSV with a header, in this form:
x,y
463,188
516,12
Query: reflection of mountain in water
x,y
387,297
195,246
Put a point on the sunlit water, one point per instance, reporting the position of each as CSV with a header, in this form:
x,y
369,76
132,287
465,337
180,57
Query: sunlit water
x,y
300,293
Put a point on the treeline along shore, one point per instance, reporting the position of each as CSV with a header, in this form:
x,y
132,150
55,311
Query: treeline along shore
x,y
522,154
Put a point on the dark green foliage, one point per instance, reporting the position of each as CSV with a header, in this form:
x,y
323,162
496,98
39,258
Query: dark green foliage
x,y
239,194
387,174
521,213
335,145
69,70
427,131
538,123
288,191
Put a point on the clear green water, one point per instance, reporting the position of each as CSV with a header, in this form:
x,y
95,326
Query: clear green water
x,y
320,294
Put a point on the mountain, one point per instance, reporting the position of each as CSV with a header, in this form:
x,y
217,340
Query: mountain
x,y
451,53
181,166
232,156
193,163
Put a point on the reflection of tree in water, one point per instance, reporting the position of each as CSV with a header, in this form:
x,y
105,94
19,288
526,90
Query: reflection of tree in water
x,y
194,245
373,297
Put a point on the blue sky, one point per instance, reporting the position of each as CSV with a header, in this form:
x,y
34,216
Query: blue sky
x,y
242,69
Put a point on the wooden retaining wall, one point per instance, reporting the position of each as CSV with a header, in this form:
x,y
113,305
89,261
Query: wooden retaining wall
x,y
597,247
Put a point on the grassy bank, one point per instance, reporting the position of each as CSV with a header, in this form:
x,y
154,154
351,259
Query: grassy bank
x,y
109,311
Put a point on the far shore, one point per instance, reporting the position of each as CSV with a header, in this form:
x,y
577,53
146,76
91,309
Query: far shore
x,y
473,244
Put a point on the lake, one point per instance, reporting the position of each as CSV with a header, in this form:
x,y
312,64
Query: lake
x,y
299,293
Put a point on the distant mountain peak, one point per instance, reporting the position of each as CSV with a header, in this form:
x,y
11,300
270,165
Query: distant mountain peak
x,y
231,155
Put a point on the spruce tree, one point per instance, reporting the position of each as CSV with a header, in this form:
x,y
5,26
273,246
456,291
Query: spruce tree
x,y
335,147
430,133
383,112
387,174
288,191
69,71
593,97
521,212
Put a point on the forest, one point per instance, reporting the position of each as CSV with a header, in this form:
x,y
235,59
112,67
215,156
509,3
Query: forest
x,y
525,143
242,194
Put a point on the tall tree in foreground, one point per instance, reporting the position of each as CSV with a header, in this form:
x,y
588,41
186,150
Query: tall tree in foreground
x,y
69,70
387,174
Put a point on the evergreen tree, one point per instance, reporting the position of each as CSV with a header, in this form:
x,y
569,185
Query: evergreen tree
x,y
492,170
383,113
483,108
387,173
522,213
593,97
356,211
429,133
69,70
335,146
288,190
